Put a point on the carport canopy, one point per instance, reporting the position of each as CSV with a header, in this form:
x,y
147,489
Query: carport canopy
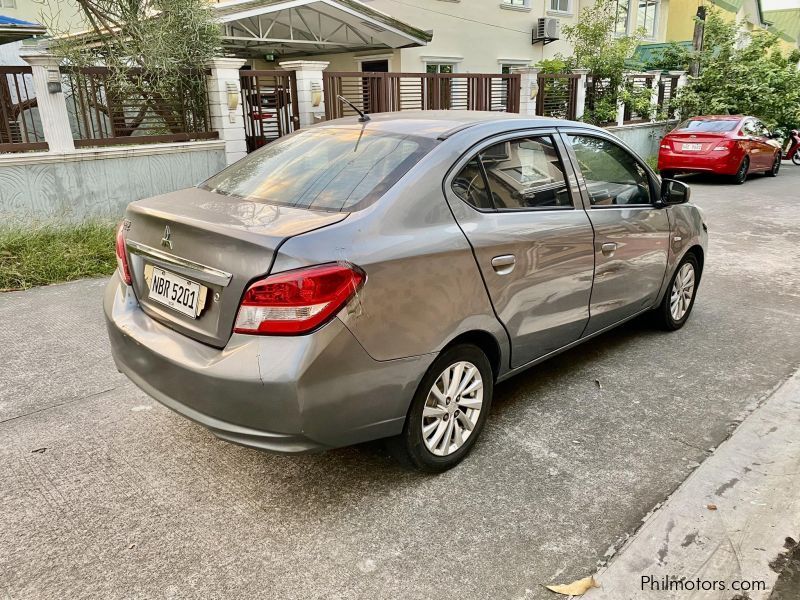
x,y
291,28
13,30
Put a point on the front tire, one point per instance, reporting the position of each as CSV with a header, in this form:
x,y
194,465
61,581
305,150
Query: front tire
x,y
741,173
796,158
776,166
448,412
675,308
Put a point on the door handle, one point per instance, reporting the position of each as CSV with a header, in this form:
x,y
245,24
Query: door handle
x,y
608,248
504,264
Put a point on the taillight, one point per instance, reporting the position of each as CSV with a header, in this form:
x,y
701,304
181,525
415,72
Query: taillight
x,y
665,146
296,302
122,257
723,146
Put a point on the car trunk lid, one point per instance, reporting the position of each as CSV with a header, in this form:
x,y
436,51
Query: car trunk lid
x,y
694,142
219,242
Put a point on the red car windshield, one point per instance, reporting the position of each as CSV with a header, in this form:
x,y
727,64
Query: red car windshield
x,y
708,126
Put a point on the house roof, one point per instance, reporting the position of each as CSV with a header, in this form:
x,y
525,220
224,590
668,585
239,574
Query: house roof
x,y
13,30
785,23
305,27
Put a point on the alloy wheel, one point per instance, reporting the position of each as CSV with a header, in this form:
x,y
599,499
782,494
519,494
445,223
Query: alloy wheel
x,y
682,291
452,408
741,174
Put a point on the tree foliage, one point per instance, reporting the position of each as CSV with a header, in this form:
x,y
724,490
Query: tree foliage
x,y
743,73
155,51
597,48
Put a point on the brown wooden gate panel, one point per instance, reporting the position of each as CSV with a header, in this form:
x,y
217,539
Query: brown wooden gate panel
x,y
269,105
558,95
390,92
19,123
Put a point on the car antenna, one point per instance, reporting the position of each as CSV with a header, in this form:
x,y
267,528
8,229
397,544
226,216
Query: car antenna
x,y
363,118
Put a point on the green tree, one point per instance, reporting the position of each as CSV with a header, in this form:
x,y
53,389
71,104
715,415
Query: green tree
x,y
596,47
743,73
155,51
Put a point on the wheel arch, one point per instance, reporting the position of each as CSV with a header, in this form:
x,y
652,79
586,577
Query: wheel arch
x,y
486,342
699,254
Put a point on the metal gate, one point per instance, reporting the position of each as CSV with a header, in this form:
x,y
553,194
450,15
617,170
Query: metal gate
x,y
388,92
269,104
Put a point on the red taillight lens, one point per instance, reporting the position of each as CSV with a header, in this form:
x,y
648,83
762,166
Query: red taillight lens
x,y
122,257
297,301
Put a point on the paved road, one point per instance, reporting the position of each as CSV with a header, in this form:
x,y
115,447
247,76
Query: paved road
x,y
107,494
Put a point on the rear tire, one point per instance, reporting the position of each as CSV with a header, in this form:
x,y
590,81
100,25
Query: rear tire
x,y
667,174
741,173
444,421
675,308
796,159
776,166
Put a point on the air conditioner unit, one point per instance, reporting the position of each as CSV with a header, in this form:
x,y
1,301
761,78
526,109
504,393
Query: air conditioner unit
x,y
547,30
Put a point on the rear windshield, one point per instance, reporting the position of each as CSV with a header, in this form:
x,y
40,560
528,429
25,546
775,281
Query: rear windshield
x,y
323,169
709,125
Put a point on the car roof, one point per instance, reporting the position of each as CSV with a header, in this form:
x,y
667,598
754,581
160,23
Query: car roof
x,y
717,118
441,124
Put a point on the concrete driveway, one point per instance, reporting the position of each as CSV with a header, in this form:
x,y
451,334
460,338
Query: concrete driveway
x,y
105,493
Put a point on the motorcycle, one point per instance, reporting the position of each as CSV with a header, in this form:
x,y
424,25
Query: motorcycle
x,y
793,148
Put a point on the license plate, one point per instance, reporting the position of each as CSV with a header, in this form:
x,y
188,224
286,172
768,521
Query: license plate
x,y
179,293
692,147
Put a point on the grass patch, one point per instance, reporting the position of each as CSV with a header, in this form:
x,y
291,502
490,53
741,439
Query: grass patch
x,y
653,162
51,254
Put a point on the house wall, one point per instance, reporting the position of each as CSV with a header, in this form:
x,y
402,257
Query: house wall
x,y
59,15
476,36
98,183
680,25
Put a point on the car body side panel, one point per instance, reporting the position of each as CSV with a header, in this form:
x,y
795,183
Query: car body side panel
x,y
688,230
423,287
629,279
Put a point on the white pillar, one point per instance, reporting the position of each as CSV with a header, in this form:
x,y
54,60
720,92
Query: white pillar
x,y
620,106
225,105
529,88
654,83
310,98
50,99
580,100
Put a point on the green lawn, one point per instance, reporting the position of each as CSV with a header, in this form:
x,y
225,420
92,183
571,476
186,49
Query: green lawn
x,y
50,254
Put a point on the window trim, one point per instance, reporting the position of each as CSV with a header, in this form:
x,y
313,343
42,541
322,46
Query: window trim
x,y
575,194
562,13
524,7
565,132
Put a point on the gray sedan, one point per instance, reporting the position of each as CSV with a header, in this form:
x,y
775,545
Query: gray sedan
x,y
362,280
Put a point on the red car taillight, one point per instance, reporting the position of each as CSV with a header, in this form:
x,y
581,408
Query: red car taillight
x,y
122,258
724,146
295,302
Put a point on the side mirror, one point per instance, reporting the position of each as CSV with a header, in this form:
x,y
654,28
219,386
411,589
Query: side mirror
x,y
674,192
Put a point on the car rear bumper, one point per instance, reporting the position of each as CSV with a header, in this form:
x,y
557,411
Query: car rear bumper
x,y
285,394
720,163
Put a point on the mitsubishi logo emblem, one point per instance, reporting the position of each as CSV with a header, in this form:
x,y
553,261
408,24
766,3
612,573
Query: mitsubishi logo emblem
x,y
166,241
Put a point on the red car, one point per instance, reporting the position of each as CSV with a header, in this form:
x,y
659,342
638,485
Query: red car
x,y
725,145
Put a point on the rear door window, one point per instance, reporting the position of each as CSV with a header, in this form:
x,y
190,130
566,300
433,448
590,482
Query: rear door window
x,y
525,173
613,176
323,169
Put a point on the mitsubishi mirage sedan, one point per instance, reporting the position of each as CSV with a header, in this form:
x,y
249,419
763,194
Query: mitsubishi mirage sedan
x,y
363,280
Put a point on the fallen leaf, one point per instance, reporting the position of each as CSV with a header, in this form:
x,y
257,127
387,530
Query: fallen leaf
x,y
576,588
39,450
598,384
711,506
